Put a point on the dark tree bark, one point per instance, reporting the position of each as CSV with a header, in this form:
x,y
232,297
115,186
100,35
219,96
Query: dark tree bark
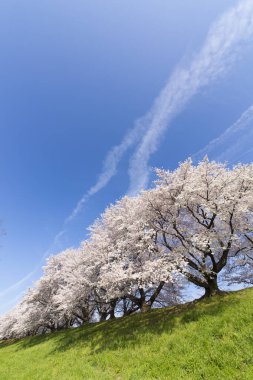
x,y
212,288
146,298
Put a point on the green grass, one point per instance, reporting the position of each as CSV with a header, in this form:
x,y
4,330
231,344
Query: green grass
x,y
211,339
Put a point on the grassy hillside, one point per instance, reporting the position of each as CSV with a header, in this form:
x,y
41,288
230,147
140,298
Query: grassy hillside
x,y
212,339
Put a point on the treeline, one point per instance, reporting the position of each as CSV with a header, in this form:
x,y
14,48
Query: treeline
x,y
194,226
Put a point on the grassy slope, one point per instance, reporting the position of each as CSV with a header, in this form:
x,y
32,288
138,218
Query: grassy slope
x,y
211,339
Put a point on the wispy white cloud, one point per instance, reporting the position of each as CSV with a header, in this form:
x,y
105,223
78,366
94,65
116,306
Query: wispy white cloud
x,y
29,277
17,284
110,165
10,303
234,144
221,48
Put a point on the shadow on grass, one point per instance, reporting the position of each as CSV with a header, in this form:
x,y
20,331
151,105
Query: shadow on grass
x,y
9,342
131,331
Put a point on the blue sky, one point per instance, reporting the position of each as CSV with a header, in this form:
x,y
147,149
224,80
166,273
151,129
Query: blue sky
x,y
75,77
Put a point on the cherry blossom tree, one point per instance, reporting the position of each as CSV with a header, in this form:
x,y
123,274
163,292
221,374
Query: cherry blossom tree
x,y
203,214
7,324
133,266
71,270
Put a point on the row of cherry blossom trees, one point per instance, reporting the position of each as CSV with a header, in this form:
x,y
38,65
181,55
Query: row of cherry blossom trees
x,y
194,226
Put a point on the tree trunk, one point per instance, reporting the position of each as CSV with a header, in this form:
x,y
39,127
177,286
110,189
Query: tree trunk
x,y
112,309
103,314
145,307
212,288
85,315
